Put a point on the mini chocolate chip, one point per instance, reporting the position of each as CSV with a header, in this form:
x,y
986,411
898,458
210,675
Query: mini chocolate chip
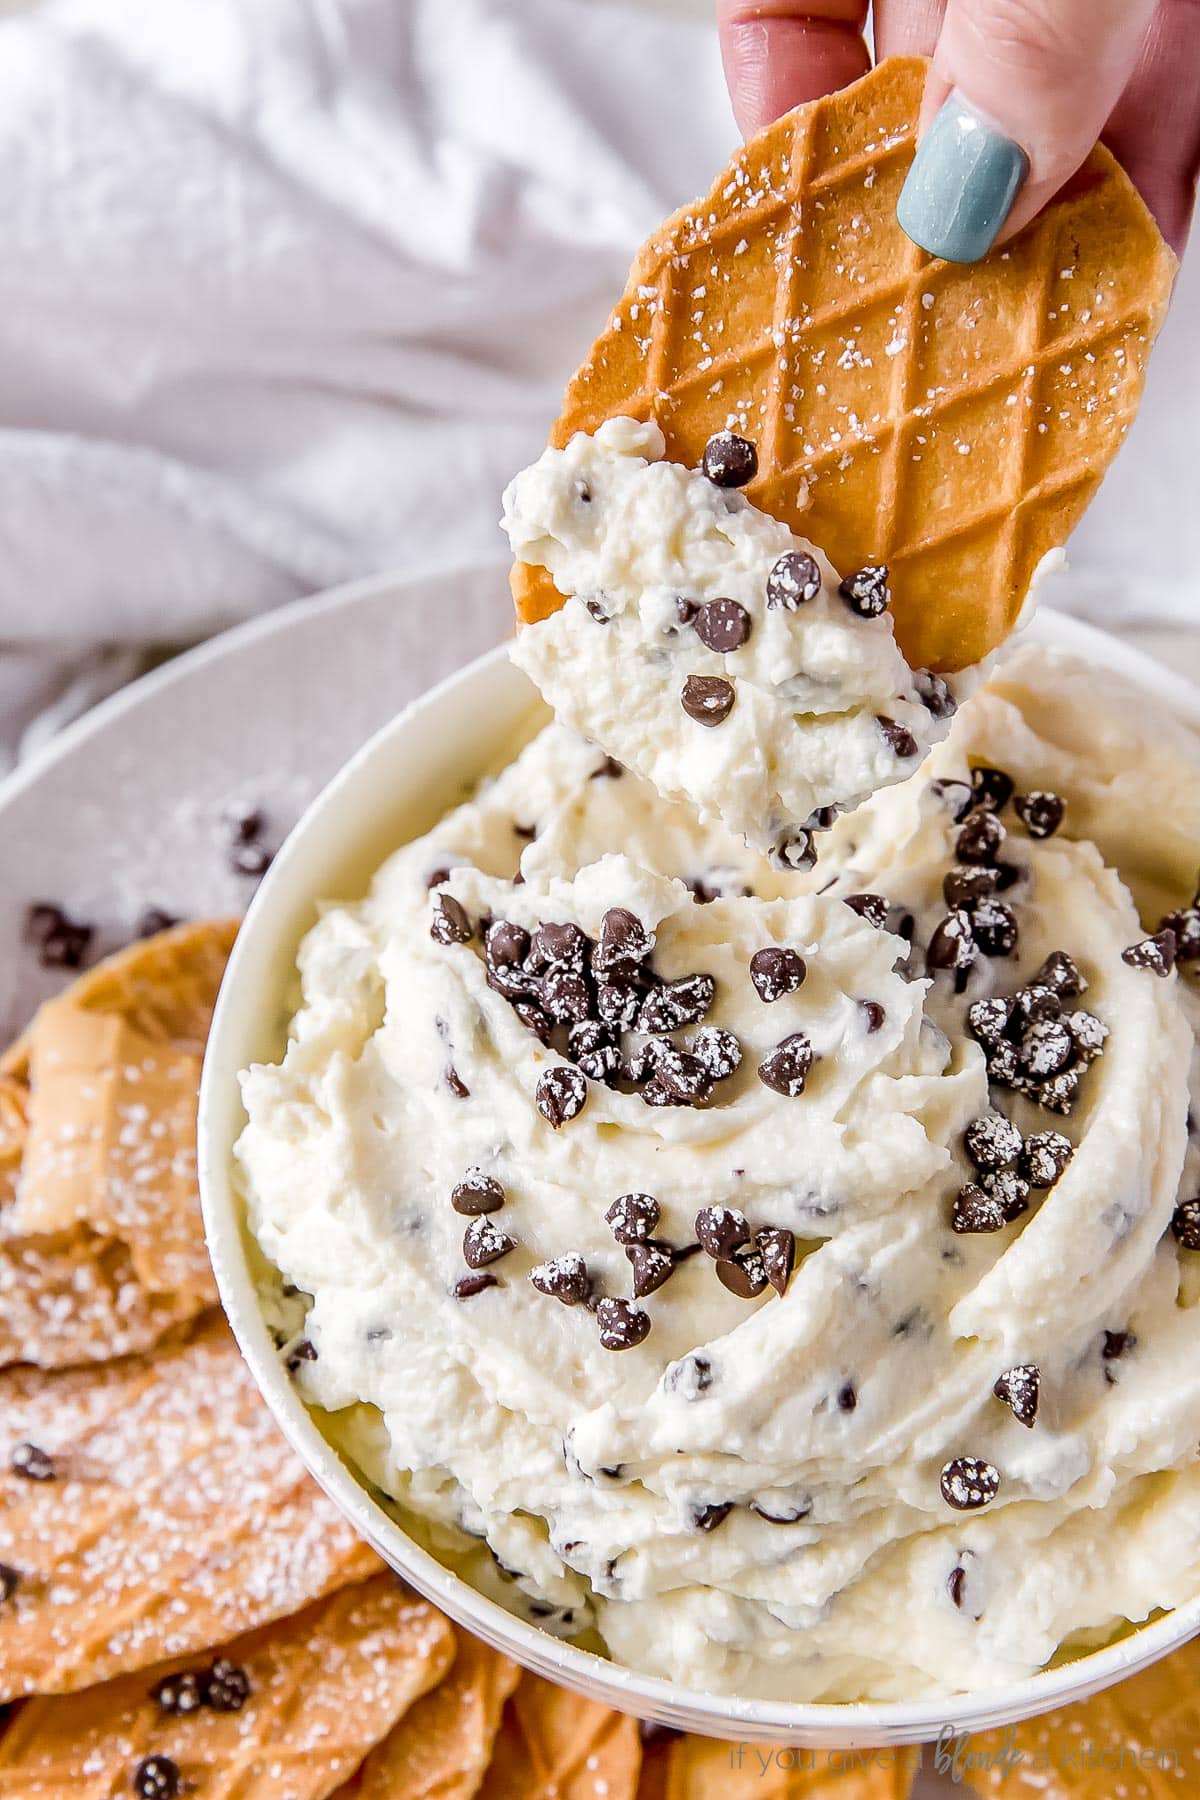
x,y
934,694
729,461
10,1581
564,1278
534,1019
956,1583
1058,1093
976,1211
618,1001
595,1050
794,580
991,789
707,1518
506,943
989,1019
871,907
866,592
775,972
1045,1048
791,1517
622,1324
968,888
598,608
847,1397
1040,813
707,698
718,1050
794,849
994,928
1044,1156
1116,1343
456,1084
1155,953
1020,1388
1060,973
1004,1067
898,738
875,1015
156,1778
723,626
1008,1189
250,859
467,1286
633,1218
561,1094
777,1247
450,924
565,996
302,1352
685,609
178,1695
1088,1034
721,1230
980,839
952,945
554,945
609,770
152,919
226,1686
477,1193
1007,875
1185,1223
690,1376
968,1483
955,796
1032,1003
650,1264
992,1142
61,942
787,1068
32,1463
1186,926
677,1003
485,1243
437,876
623,939
743,1273
679,1078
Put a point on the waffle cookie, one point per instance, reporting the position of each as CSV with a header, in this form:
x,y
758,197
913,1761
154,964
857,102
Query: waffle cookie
x,y
952,422
554,1745
101,1244
284,1713
148,1509
442,1748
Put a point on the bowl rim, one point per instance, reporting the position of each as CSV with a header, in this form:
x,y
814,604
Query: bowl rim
x,y
849,1724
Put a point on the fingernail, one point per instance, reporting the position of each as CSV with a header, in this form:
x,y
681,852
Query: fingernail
x,y
962,184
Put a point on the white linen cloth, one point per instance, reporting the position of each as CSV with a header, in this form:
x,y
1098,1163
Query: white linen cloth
x,y
289,288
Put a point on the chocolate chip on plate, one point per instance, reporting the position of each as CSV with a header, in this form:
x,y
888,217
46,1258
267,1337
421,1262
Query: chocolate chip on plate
x,y
1020,1388
31,1462
723,626
777,1247
153,919
650,1263
897,737
477,1193
992,1142
866,592
61,942
561,1094
1185,1223
249,859
10,1581
179,1694
484,1243
721,1230
467,1286
969,1483
564,1278
1044,1157
787,1068
1155,953
991,789
156,1778
622,1324
729,461
226,1687
449,924
776,971
934,694
794,580
707,698
1040,813
633,1218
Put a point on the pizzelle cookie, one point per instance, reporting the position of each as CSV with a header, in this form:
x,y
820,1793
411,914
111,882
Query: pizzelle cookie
x,y
101,1190
697,1768
149,1508
554,1745
284,1713
1139,1740
441,1749
951,422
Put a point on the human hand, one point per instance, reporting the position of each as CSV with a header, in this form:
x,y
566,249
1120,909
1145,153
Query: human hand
x,y
1017,94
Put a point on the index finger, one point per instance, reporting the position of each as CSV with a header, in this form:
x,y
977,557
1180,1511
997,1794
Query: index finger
x,y
779,52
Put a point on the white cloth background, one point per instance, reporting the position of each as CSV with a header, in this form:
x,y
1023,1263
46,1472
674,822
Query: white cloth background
x,y
288,288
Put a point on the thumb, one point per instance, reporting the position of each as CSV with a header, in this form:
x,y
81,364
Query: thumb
x,y
1018,92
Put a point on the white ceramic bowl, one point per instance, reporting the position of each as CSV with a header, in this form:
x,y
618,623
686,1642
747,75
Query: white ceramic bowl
x,y
396,787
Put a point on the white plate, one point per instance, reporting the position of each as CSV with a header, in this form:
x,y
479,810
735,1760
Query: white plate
x,y
125,809
393,788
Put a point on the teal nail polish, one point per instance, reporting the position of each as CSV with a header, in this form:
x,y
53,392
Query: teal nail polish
x,y
962,184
